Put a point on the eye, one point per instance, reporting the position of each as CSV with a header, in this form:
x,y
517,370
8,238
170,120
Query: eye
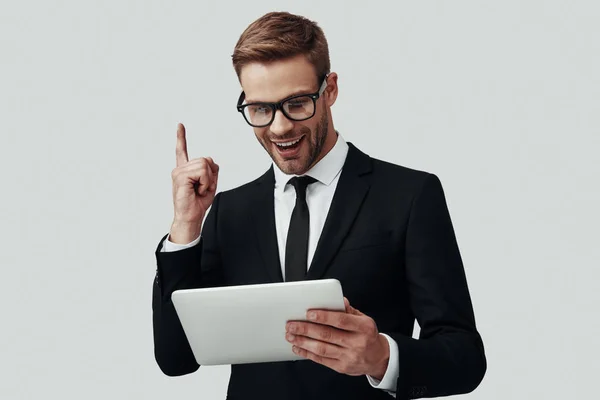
x,y
301,102
259,109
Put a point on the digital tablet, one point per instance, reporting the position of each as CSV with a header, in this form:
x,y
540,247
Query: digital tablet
x,y
246,324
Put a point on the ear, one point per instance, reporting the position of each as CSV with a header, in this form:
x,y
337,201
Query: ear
x,y
331,91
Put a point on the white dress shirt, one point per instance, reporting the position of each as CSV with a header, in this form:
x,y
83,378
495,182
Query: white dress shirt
x,y
318,197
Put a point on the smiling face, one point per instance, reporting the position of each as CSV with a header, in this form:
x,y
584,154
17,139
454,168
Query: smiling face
x,y
294,146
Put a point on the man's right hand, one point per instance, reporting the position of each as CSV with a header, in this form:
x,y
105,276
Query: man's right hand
x,y
194,188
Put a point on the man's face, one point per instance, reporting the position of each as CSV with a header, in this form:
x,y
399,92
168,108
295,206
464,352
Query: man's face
x,y
275,81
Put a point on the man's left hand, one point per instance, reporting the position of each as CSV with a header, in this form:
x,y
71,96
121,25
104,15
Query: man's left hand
x,y
347,342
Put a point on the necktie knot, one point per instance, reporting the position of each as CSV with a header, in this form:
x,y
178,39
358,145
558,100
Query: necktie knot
x,y
300,183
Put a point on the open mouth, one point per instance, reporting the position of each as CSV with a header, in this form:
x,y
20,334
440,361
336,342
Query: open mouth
x,y
288,148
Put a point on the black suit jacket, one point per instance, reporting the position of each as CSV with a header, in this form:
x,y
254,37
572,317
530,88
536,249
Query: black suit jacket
x,y
388,239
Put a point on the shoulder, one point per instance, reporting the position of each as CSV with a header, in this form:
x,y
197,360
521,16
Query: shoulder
x,y
389,169
359,161
399,186
402,177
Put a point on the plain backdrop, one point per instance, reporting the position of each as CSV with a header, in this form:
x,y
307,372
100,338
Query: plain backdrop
x,y
499,99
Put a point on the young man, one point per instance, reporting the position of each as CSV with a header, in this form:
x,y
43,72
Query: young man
x,y
323,210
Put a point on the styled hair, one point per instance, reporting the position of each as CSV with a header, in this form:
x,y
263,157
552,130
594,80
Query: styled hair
x,y
281,35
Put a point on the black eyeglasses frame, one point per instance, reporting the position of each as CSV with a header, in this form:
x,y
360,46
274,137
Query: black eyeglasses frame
x,y
279,105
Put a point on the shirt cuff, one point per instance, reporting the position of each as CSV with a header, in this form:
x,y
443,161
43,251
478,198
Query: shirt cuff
x,y
169,246
392,373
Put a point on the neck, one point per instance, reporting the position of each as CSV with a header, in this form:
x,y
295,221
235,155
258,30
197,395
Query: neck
x,y
330,141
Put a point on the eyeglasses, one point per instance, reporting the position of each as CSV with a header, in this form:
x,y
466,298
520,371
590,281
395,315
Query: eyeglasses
x,y
296,108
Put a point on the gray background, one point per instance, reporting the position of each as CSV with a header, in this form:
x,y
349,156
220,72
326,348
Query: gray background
x,y
499,99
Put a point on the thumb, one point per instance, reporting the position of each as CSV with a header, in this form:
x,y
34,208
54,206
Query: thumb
x,y
350,309
214,169
213,166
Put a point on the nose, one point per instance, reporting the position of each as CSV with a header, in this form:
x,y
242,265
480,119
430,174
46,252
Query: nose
x,y
281,124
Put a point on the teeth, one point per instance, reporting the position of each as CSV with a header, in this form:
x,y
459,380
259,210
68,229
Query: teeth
x,y
287,144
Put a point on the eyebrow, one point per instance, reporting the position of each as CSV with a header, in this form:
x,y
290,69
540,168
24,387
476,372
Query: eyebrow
x,y
294,93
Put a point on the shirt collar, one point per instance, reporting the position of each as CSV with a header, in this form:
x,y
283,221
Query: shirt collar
x,y
324,171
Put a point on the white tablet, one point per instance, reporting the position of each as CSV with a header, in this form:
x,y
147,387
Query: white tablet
x,y
246,324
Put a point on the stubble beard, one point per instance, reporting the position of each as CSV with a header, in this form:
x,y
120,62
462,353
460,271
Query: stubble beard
x,y
316,143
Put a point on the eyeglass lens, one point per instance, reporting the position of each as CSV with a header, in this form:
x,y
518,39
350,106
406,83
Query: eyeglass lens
x,y
299,108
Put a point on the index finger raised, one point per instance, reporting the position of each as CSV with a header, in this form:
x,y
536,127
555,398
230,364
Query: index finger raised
x,y
181,147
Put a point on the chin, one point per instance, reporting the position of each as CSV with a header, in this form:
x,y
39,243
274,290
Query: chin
x,y
291,167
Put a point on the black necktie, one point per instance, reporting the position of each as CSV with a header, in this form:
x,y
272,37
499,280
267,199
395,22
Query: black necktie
x,y
296,247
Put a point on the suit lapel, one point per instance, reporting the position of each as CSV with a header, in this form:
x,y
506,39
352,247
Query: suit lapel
x,y
263,216
349,195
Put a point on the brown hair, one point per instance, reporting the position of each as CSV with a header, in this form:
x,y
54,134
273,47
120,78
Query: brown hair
x,y
280,35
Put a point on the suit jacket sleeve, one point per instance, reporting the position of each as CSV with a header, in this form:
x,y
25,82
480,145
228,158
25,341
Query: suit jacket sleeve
x,y
194,267
449,356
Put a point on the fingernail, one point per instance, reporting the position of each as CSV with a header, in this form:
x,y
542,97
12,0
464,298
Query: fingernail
x,y
290,337
312,315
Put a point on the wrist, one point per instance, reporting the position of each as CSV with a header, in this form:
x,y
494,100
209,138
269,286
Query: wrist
x,y
381,367
184,232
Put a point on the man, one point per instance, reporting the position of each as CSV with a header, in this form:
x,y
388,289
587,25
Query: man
x,y
382,230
